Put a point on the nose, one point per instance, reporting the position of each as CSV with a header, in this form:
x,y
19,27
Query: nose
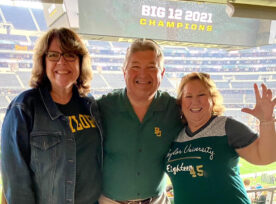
x,y
61,60
196,100
142,71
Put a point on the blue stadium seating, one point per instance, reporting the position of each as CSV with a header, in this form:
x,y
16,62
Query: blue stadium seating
x,y
40,19
222,85
247,77
7,45
216,77
9,81
98,82
250,99
166,84
33,38
3,101
13,38
233,99
244,84
99,44
25,77
120,45
271,84
25,65
19,17
115,80
4,64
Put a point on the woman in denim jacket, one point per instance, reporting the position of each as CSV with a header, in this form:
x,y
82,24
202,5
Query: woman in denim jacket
x,y
51,134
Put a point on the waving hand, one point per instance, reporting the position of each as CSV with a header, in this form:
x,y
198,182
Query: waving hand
x,y
264,107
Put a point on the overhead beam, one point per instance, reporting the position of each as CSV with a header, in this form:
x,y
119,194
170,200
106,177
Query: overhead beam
x,y
251,11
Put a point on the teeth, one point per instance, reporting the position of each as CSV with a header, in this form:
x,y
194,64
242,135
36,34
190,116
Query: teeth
x,y
142,82
196,109
62,72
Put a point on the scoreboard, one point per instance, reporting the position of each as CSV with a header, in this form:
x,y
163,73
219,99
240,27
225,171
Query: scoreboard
x,y
168,21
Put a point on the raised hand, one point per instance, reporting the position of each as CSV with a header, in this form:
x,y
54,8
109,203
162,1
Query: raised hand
x,y
264,106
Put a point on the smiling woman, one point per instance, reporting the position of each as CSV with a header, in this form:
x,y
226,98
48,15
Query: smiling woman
x,y
51,134
206,153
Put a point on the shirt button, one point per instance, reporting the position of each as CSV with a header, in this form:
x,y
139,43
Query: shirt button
x,y
138,173
69,182
70,160
140,150
138,194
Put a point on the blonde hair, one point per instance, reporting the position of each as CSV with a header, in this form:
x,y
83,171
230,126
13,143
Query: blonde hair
x,y
218,107
69,42
143,44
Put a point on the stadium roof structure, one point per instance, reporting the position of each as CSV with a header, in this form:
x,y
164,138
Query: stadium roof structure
x,y
252,33
270,3
261,9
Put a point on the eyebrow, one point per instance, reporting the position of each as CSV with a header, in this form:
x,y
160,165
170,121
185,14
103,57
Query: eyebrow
x,y
134,62
190,92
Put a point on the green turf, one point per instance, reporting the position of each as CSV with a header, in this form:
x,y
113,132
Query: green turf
x,y
247,168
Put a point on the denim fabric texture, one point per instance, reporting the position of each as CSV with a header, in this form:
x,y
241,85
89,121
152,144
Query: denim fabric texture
x,y
39,150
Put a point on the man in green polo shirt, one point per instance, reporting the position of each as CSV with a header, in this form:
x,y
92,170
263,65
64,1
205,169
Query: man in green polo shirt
x,y
140,123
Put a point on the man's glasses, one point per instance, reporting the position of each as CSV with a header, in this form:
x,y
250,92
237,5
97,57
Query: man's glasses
x,y
55,56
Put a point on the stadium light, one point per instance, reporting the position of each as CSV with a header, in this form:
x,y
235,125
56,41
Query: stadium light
x,y
251,11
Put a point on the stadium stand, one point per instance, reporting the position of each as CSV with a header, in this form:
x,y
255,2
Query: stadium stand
x,y
9,80
20,18
3,101
234,72
39,16
13,38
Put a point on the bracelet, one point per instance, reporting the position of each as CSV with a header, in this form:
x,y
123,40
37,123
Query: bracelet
x,y
268,121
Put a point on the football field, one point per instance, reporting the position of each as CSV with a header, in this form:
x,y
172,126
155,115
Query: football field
x,y
247,168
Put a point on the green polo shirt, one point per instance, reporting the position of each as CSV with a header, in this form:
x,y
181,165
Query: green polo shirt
x,y
134,152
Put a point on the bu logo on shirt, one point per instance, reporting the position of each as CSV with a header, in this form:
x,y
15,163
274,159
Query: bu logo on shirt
x,y
157,132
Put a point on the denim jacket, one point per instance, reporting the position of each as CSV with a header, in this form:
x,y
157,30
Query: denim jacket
x,y
39,150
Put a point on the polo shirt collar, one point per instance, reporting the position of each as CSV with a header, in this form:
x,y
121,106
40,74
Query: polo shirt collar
x,y
159,103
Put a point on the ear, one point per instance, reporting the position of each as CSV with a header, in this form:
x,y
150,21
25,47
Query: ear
x,y
124,71
163,72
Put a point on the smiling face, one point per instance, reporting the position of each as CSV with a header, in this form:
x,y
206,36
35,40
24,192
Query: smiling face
x,y
143,75
196,104
62,74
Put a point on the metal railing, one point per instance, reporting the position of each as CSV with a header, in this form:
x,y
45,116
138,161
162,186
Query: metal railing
x,y
262,196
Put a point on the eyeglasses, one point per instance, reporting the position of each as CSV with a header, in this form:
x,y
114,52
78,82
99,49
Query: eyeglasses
x,y
55,56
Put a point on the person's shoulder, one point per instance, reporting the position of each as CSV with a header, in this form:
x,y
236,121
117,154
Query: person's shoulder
x,y
111,96
232,121
88,97
164,95
25,100
165,98
26,96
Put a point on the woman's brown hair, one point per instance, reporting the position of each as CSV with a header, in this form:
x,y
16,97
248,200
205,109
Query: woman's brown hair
x,y
69,42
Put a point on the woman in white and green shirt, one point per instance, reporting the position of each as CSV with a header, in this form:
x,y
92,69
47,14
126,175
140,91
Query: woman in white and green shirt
x,y
203,161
